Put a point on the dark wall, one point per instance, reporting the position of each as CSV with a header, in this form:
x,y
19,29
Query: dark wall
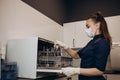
x,y
63,11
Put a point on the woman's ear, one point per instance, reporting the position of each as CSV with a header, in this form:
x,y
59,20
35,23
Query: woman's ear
x,y
98,25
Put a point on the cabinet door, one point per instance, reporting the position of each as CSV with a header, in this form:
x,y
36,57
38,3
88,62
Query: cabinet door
x,y
69,34
74,34
81,39
113,77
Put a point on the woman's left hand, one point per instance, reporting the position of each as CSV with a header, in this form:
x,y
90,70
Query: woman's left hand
x,y
69,71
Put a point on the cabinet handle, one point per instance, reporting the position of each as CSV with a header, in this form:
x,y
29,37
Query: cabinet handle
x,y
73,42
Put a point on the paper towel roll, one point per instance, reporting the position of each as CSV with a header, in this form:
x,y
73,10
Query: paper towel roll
x,y
2,50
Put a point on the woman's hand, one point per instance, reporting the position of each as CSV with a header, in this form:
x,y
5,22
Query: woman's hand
x,y
69,71
61,44
71,52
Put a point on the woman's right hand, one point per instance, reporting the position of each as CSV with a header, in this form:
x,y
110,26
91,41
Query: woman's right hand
x,y
71,52
61,44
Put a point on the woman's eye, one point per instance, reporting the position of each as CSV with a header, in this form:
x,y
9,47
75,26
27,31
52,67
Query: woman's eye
x,y
87,26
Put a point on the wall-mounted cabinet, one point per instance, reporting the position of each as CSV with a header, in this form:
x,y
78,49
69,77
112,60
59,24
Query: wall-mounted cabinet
x,y
74,34
69,35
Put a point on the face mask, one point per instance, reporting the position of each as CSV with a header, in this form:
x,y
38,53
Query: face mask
x,y
89,33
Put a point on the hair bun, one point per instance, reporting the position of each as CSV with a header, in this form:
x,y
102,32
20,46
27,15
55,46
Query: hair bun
x,y
99,14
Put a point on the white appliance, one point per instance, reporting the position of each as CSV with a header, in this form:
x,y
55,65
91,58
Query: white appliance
x,y
26,52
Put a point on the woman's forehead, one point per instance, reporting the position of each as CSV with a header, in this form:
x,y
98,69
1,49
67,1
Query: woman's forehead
x,y
89,21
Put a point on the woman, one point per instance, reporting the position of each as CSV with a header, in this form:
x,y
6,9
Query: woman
x,y
94,55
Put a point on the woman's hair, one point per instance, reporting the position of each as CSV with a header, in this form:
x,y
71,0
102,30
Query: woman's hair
x,y
97,17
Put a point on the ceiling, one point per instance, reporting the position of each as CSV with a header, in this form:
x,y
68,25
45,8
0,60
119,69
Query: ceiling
x,y
63,11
